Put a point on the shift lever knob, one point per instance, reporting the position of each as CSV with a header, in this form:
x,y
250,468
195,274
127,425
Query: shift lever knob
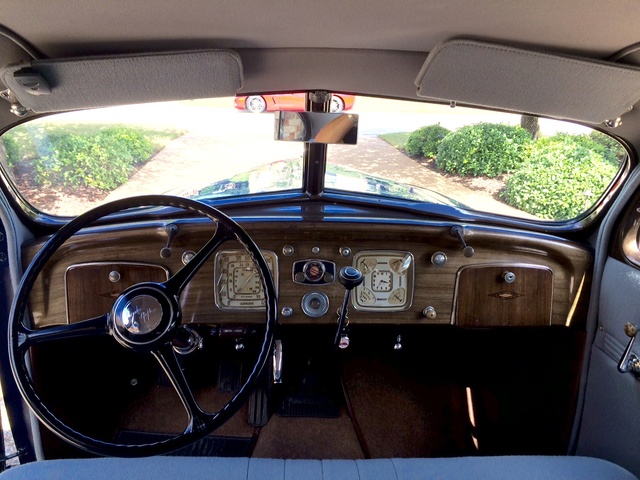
x,y
350,277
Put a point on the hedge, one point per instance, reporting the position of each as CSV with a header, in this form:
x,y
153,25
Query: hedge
x,y
562,176
424,141
489,149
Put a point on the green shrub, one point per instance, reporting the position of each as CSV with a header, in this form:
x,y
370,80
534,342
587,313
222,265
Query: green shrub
x,y
12,150
424,141
614,151
562,177
489,149
103,159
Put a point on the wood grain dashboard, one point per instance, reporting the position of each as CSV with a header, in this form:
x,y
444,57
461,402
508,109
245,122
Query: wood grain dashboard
x,y
512,279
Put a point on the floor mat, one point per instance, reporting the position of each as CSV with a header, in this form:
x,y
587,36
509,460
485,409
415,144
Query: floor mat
x,y
400,416
207,447
306,437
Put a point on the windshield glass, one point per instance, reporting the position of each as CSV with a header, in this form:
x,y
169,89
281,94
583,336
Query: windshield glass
x,y
67,163
480,160
494,162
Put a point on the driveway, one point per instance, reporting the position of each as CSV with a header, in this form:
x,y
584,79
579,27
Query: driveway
x,y
195,160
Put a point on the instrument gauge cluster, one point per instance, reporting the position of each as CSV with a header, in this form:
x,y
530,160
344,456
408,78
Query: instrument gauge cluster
x,y
388,280
238,285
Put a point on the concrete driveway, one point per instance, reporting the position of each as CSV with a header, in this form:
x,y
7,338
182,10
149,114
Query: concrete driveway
x,y
197,159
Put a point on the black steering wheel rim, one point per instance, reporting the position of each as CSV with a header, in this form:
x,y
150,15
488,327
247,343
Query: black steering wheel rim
x,y
22,337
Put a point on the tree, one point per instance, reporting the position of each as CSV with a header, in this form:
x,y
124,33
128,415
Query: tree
x,y
531,125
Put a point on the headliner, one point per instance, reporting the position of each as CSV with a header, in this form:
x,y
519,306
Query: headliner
x,y
360,46
73,27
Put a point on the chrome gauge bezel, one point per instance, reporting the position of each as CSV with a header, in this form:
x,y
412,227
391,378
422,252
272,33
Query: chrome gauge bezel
x,y
368,262
223,282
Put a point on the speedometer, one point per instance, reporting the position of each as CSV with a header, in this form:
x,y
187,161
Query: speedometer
x,y
238,285
388,280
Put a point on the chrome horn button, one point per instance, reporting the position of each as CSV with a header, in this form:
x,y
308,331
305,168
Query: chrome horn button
x,y
141,315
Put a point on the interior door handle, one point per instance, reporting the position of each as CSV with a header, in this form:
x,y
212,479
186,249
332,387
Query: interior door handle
x,y
630,363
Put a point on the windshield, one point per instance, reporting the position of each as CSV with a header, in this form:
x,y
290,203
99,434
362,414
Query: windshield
x,y
507,164
514,165
67,163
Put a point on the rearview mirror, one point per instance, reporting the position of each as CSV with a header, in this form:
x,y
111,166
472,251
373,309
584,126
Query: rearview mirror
x,y
316,127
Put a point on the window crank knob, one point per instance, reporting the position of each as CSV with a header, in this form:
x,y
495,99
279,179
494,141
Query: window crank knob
x,y
630,363
630,330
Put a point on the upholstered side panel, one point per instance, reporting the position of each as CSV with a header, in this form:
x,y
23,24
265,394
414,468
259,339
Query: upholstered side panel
x,y
610,423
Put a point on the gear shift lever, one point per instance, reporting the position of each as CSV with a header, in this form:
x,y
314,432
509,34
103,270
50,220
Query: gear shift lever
x,y
350,277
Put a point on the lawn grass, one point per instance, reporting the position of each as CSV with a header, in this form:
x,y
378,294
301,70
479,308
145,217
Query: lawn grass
x,y
397,140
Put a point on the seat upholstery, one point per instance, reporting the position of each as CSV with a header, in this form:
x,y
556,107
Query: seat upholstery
x,y
211,468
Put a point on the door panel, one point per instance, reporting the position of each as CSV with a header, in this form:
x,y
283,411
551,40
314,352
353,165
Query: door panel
x,y
12,234
611,417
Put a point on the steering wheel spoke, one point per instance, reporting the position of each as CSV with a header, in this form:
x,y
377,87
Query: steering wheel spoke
x,y
93,327
176,284
167,359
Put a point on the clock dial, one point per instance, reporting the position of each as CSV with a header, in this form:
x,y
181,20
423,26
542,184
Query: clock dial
x,y
387,283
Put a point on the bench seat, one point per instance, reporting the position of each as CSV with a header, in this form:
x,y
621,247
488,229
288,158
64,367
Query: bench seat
x,y
216,468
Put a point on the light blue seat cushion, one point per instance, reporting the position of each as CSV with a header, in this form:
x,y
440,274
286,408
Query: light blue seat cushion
x,y
211,468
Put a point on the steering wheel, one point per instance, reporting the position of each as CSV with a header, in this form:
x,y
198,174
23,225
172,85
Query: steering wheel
x,y
144,318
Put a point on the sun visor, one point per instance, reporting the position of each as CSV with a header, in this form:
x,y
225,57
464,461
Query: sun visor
x,y
483,74
55,85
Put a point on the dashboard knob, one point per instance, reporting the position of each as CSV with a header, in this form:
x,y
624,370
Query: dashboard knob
x,y
350,277
509,277
429,313
439,259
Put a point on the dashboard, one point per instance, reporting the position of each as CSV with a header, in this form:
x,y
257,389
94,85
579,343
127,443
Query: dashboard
x,y
422,273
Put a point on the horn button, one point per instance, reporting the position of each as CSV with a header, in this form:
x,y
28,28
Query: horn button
x,y
142,316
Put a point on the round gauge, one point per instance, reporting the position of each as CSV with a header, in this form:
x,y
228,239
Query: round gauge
x,y
388,280
238,283
245,280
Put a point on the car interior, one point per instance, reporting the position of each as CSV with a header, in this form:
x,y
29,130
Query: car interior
x,y
427,266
